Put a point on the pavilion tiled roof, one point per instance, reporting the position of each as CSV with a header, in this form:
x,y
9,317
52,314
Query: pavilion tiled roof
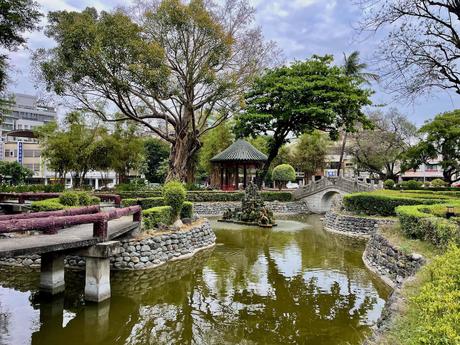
x,y
240,151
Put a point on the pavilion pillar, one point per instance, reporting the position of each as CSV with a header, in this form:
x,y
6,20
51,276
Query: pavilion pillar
x,y
237,175
226,177
221,176
245,176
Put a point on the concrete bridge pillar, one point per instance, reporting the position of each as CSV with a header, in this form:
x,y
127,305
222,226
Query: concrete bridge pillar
x,y
97,280
52,273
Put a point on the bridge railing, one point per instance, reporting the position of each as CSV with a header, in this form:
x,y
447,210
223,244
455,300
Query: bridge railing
x,y
345,184
22,197
60,213
51,225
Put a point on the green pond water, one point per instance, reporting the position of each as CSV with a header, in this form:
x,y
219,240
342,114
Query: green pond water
x,y
294,284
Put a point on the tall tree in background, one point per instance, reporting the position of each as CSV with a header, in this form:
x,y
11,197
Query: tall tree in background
x,y
292,100
309,153
380,151
215,141
440,140
16,17
422,48
181,62
156,152
354,68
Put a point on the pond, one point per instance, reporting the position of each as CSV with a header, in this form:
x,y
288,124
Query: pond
x,y
293,284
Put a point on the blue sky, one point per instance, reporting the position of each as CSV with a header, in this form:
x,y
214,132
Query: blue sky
x,y
300,27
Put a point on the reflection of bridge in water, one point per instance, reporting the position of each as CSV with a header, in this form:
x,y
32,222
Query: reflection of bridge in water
x,y
85,231
65,319
318,195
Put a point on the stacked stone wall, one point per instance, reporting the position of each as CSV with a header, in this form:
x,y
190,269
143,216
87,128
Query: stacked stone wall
x,y
218,208
354,225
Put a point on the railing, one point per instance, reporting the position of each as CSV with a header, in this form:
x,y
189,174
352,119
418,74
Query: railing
x,y
22,197
344,184
51,224
45,214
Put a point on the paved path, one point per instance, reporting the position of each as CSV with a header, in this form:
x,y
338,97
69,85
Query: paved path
x,y
70,238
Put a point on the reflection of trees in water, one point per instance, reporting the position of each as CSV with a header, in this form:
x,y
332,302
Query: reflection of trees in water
x,y
217,305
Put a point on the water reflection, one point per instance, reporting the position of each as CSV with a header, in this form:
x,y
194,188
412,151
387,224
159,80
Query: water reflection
x,y
257,286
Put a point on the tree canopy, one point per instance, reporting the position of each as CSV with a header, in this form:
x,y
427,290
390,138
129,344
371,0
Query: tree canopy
x,y
309,152
440,140
182,64
379,151
421,50
299,98
16,17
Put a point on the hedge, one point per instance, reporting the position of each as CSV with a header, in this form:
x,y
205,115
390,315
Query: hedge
x,y
50,188
209,196
379,204
155,215
187,210
418,222
433,315
144,203
47,205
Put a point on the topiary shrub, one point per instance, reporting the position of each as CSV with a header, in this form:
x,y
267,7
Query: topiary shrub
x,y
144,203
84,199
174,195
95,200
438,183
156,215
411,185
187,210
389,184
282,174
69,198
46,205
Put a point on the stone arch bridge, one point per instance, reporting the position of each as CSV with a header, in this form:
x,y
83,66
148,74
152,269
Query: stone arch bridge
x,y
318,195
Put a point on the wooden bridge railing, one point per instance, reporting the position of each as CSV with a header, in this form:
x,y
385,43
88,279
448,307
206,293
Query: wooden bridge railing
x,y
22,197
51,224
60,213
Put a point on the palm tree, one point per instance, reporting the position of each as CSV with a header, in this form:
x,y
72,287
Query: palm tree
x,y
353,67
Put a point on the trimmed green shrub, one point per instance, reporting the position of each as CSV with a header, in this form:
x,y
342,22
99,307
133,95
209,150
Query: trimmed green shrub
x,y
84,199
47,205
174,195
95,200
438,183
283,173
155,215
433,315
377,204
389,184
418,223
187,210
144,203
411,184
69,198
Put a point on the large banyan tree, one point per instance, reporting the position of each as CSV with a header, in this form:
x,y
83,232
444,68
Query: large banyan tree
x,y
181,65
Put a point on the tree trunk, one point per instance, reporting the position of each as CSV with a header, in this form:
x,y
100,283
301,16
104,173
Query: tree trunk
x,y
261,174
181,158
342,151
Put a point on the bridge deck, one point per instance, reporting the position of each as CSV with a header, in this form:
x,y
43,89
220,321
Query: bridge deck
x,y
71,238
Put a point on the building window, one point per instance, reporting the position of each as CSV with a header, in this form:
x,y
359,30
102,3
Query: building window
x,y
28,153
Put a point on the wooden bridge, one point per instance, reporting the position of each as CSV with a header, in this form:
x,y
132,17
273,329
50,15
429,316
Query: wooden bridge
x,y
85,231
319,194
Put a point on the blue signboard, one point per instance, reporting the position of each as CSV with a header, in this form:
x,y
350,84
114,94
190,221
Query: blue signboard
x,y
20,152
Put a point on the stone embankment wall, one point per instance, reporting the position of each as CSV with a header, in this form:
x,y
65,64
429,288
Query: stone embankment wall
x,y
218,208
142,253
354,225
390,262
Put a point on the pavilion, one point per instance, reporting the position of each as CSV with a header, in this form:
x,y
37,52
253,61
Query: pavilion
x,y
227,165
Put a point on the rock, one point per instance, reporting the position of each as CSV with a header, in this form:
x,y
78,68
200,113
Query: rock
x,y
178,224
187,221
417,257
27,262
144,259
145,248
135,259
